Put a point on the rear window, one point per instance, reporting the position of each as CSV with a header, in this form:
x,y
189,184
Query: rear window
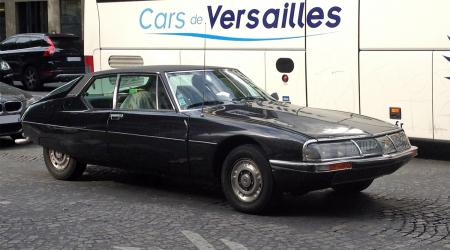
x,y
66,42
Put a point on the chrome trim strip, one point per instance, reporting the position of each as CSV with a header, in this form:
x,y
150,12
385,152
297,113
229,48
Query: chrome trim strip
x,y
120,133
203,142
311,166
64,127
147,136
358,147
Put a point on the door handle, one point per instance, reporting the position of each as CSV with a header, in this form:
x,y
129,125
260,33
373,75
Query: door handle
x,y
116,117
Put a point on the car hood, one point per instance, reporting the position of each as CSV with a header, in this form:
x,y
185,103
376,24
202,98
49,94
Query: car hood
x,y
316,123
8,93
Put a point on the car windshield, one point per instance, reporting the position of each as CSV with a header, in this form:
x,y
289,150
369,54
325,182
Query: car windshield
x,y
193,89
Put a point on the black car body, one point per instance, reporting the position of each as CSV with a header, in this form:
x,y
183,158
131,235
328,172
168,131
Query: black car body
x,y
211,124
6,73
38,58
13,103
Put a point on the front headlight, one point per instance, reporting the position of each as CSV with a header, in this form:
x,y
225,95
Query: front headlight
x,y
330,151
4,65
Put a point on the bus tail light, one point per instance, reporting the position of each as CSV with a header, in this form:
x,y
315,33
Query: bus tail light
x,y
89,63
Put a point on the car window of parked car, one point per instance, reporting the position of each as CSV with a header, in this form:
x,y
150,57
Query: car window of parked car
x,y
23,42
67,43
36,42
100,93
138,92
9,44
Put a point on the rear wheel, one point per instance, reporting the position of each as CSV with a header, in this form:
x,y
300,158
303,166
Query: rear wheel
x,y
61,166
31,78
247,181
354,187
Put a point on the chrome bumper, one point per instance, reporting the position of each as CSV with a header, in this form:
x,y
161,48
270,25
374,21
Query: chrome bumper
x,y
321,167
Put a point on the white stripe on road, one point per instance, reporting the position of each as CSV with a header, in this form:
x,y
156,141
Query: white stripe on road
x,y
198,240
5,202
233,245
127,248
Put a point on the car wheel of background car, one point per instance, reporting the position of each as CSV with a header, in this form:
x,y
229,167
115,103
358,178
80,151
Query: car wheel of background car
x,y
247,180
31,79
62,166
354,187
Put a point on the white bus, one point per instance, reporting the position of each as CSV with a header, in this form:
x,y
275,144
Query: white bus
x,y
388,59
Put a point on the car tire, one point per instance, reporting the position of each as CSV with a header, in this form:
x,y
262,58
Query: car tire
x,y
247,180
62,166
354,187
31,79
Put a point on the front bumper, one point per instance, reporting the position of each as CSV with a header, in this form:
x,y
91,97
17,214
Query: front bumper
x,y
10,129
306,176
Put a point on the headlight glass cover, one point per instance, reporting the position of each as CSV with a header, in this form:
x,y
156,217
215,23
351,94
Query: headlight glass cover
x,y
330,151
401,141
387,145
369,147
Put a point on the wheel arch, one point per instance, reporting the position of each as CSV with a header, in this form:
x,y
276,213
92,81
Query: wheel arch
x,y
227,145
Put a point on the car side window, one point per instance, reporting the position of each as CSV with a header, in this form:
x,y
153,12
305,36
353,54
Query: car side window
x,y
23,42
9,44
142,92
100,94
137,92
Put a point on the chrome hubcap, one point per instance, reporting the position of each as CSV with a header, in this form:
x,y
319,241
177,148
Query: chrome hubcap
x,y
59,160
31,77
246,180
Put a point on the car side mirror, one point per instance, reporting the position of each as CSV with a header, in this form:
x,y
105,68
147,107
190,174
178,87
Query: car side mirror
x,y
275,96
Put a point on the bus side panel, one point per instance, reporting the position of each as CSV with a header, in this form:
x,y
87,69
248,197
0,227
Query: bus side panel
x,y
400,79
294,90
405,24
332,59
147,57
251,63
91,32
441,93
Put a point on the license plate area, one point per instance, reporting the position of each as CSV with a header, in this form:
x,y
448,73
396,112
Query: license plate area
x,y
74,59
6,119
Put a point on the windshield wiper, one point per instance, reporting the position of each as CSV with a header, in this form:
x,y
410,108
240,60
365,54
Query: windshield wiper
x,y
248,98
208,103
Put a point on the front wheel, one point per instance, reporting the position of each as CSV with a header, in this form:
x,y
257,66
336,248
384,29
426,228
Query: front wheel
x,y
61,166
247,181
354,187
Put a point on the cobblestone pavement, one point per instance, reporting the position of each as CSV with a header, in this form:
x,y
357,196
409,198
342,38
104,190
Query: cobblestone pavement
x,y
112,209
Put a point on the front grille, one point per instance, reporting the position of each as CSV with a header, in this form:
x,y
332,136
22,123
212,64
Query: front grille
x,y
12,106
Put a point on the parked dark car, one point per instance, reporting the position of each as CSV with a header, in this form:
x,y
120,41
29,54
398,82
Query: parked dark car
x,y
6,72
39,58
13,103
213,125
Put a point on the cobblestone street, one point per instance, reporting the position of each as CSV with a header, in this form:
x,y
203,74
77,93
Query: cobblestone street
x,y
112,209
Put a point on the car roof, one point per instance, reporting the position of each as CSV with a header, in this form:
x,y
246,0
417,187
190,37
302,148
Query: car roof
x,y
143,69
157,69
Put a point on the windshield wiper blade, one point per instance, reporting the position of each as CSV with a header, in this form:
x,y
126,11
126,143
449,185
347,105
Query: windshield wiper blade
x,y
248,98
208,103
